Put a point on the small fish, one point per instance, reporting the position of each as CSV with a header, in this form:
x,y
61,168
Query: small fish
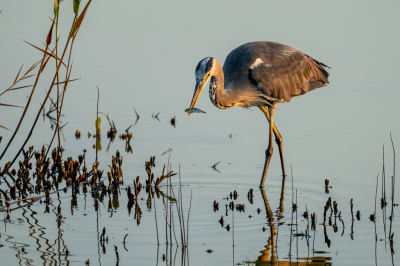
x,y
195,110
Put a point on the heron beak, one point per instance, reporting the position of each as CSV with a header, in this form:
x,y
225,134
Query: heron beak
x,y
199,87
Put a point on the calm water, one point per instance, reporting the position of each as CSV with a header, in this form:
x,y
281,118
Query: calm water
x,y
142,55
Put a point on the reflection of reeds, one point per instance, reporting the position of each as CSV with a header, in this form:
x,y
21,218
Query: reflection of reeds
x,y
393,185
179,207
372,216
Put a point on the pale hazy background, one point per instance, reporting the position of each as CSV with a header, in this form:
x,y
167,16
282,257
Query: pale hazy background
x,y
143,55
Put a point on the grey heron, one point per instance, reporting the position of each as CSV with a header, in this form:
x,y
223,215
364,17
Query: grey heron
x,y
260,74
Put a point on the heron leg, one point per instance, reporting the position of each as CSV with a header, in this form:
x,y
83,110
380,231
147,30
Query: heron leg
x,y
278,138
269,151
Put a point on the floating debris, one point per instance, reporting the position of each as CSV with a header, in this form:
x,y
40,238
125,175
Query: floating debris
x,y
116,252
59,212
173,121
335,208
351,208
258,210
209,251
103,234
167,151
216,204
235,194
240,207
194,110
137,116
127,130
250,193
313,217
231,205
358,215
383,201
372,217
214,167
156,116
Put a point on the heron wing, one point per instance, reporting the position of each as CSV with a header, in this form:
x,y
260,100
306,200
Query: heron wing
x,y
294,75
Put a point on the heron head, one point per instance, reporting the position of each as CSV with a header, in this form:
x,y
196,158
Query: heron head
x,y
203,73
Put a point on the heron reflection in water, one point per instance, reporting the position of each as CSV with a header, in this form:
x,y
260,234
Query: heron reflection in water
x,y
269,256
260,74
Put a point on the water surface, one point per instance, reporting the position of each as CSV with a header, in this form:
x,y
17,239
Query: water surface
x,y
143,56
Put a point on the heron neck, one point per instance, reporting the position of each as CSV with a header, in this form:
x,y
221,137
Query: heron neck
x,y
217,92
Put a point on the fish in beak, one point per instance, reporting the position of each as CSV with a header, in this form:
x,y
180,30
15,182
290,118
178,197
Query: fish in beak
x,y
197,91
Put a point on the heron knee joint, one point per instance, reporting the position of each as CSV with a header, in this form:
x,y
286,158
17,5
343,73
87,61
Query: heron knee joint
x,y
269,151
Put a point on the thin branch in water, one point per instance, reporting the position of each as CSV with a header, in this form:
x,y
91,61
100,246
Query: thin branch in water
x,y
393,183
97,133
187,224
155,217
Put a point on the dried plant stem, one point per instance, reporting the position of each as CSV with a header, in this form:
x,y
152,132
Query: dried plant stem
x,y
61,106
316,222
166,216
155,211
383,175
41,108
27,105
170,212
67,79
187,225
173,223
97,133
376,194
179,216
74,27
180,211
393,183
58,83
181,208
291,223
233,228
376,191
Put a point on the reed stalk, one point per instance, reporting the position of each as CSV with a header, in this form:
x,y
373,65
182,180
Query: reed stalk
x,y
27,104
74,30
393,184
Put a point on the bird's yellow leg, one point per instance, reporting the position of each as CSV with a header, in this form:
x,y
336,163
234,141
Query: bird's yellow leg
x,y
278,138
269,113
